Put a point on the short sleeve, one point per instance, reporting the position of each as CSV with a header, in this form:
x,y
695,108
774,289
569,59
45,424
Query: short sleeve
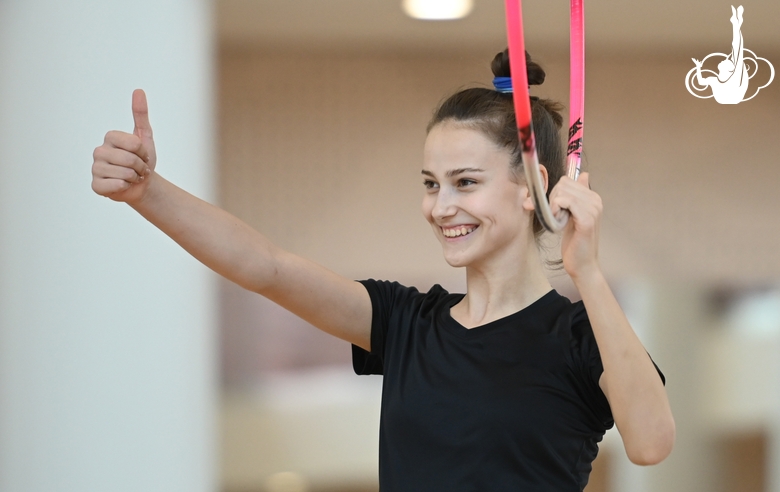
x,y
587,359
587,367
388,301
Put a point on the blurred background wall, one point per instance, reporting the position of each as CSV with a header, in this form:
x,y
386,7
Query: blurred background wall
x,y
318,130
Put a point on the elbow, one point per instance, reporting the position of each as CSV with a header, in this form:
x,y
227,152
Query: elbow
x,y
655,449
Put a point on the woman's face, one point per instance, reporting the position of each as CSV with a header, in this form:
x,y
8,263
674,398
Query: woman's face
x,y
477,207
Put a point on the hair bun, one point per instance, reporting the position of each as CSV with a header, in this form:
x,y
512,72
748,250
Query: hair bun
x,y
500,68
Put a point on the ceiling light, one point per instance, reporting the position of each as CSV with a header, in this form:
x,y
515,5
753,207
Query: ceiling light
x,y
438,9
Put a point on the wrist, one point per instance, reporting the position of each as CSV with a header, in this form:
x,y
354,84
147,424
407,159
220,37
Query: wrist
x,y
587,276
151,188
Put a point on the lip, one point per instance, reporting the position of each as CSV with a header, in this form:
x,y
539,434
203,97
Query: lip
x,y
458,226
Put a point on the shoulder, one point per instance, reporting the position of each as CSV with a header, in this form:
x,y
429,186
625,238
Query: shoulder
x,y
386,293
570,323
577,324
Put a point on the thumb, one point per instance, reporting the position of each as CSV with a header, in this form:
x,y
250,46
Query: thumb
x,y
141,115
584,178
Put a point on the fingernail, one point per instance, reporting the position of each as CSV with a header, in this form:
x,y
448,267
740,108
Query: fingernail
x,y
141,178
147,172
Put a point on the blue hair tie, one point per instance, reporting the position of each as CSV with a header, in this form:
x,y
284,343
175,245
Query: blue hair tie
x,y
503,84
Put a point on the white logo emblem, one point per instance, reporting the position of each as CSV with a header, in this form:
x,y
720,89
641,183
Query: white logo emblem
x,y
730,84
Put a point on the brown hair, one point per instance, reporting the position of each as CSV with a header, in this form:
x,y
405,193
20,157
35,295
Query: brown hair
x,y
493,113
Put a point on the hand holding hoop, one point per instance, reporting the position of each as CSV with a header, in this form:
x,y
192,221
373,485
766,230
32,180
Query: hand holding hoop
x,y
579,244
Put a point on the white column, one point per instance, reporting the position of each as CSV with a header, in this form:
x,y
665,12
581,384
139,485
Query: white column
x,y
107,353
636,299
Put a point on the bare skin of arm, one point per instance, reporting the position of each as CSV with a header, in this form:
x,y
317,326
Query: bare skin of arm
x,y
630,382
123,170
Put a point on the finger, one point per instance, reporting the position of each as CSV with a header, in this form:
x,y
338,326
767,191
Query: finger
x,y
576,198
104,170
129,142
558,203
558,189
107,187
585,180
585,215
141,115
121,158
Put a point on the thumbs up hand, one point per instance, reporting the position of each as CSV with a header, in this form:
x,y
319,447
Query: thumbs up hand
x,y
124,165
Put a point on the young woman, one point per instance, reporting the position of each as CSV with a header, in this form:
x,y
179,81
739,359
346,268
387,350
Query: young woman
x,y
508,387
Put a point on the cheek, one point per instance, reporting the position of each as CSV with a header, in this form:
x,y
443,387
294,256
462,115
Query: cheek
x,y
427,208
506,211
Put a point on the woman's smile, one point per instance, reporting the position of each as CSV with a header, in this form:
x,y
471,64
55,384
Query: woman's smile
x,y
458,231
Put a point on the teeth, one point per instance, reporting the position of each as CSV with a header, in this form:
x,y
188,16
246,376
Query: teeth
x,y
461,231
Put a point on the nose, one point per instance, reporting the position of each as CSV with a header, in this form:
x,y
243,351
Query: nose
x,y
444,205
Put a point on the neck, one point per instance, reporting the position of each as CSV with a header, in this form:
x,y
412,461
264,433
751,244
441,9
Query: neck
x,y
500,288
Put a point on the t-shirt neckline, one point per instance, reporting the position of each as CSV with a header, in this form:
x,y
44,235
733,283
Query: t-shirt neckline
x,y
509,320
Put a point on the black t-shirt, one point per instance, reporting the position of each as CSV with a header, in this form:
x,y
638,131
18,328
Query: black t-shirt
x,y
513,405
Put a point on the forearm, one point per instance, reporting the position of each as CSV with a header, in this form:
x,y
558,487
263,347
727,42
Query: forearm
x,y
214,237
631,383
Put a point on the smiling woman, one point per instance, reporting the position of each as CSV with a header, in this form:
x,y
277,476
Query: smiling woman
x,y
508,386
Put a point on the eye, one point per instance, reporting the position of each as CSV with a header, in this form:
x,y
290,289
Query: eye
x,y
466,182
430,185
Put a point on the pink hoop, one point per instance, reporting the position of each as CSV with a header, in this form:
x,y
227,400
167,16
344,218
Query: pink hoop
x,y
522,102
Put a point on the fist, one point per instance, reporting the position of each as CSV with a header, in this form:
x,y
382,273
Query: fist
x,y
123,166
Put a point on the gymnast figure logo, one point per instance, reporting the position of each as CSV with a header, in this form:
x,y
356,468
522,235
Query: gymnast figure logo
x,y
730,84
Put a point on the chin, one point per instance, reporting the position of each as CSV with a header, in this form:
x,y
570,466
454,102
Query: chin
x,y
455,264
458,261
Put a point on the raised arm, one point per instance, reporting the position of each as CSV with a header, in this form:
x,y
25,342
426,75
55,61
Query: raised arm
x,y
124,170
630,382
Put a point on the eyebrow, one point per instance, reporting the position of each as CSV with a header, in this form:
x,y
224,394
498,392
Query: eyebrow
x,y
455,172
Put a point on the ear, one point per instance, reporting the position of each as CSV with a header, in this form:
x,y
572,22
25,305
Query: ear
x,y
528,201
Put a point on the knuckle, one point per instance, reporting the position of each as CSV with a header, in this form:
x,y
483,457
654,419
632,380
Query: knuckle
x,y
127,159
128,174
111,136
136,144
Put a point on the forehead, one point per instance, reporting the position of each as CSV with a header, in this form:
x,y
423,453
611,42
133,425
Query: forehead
x,y
452,145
